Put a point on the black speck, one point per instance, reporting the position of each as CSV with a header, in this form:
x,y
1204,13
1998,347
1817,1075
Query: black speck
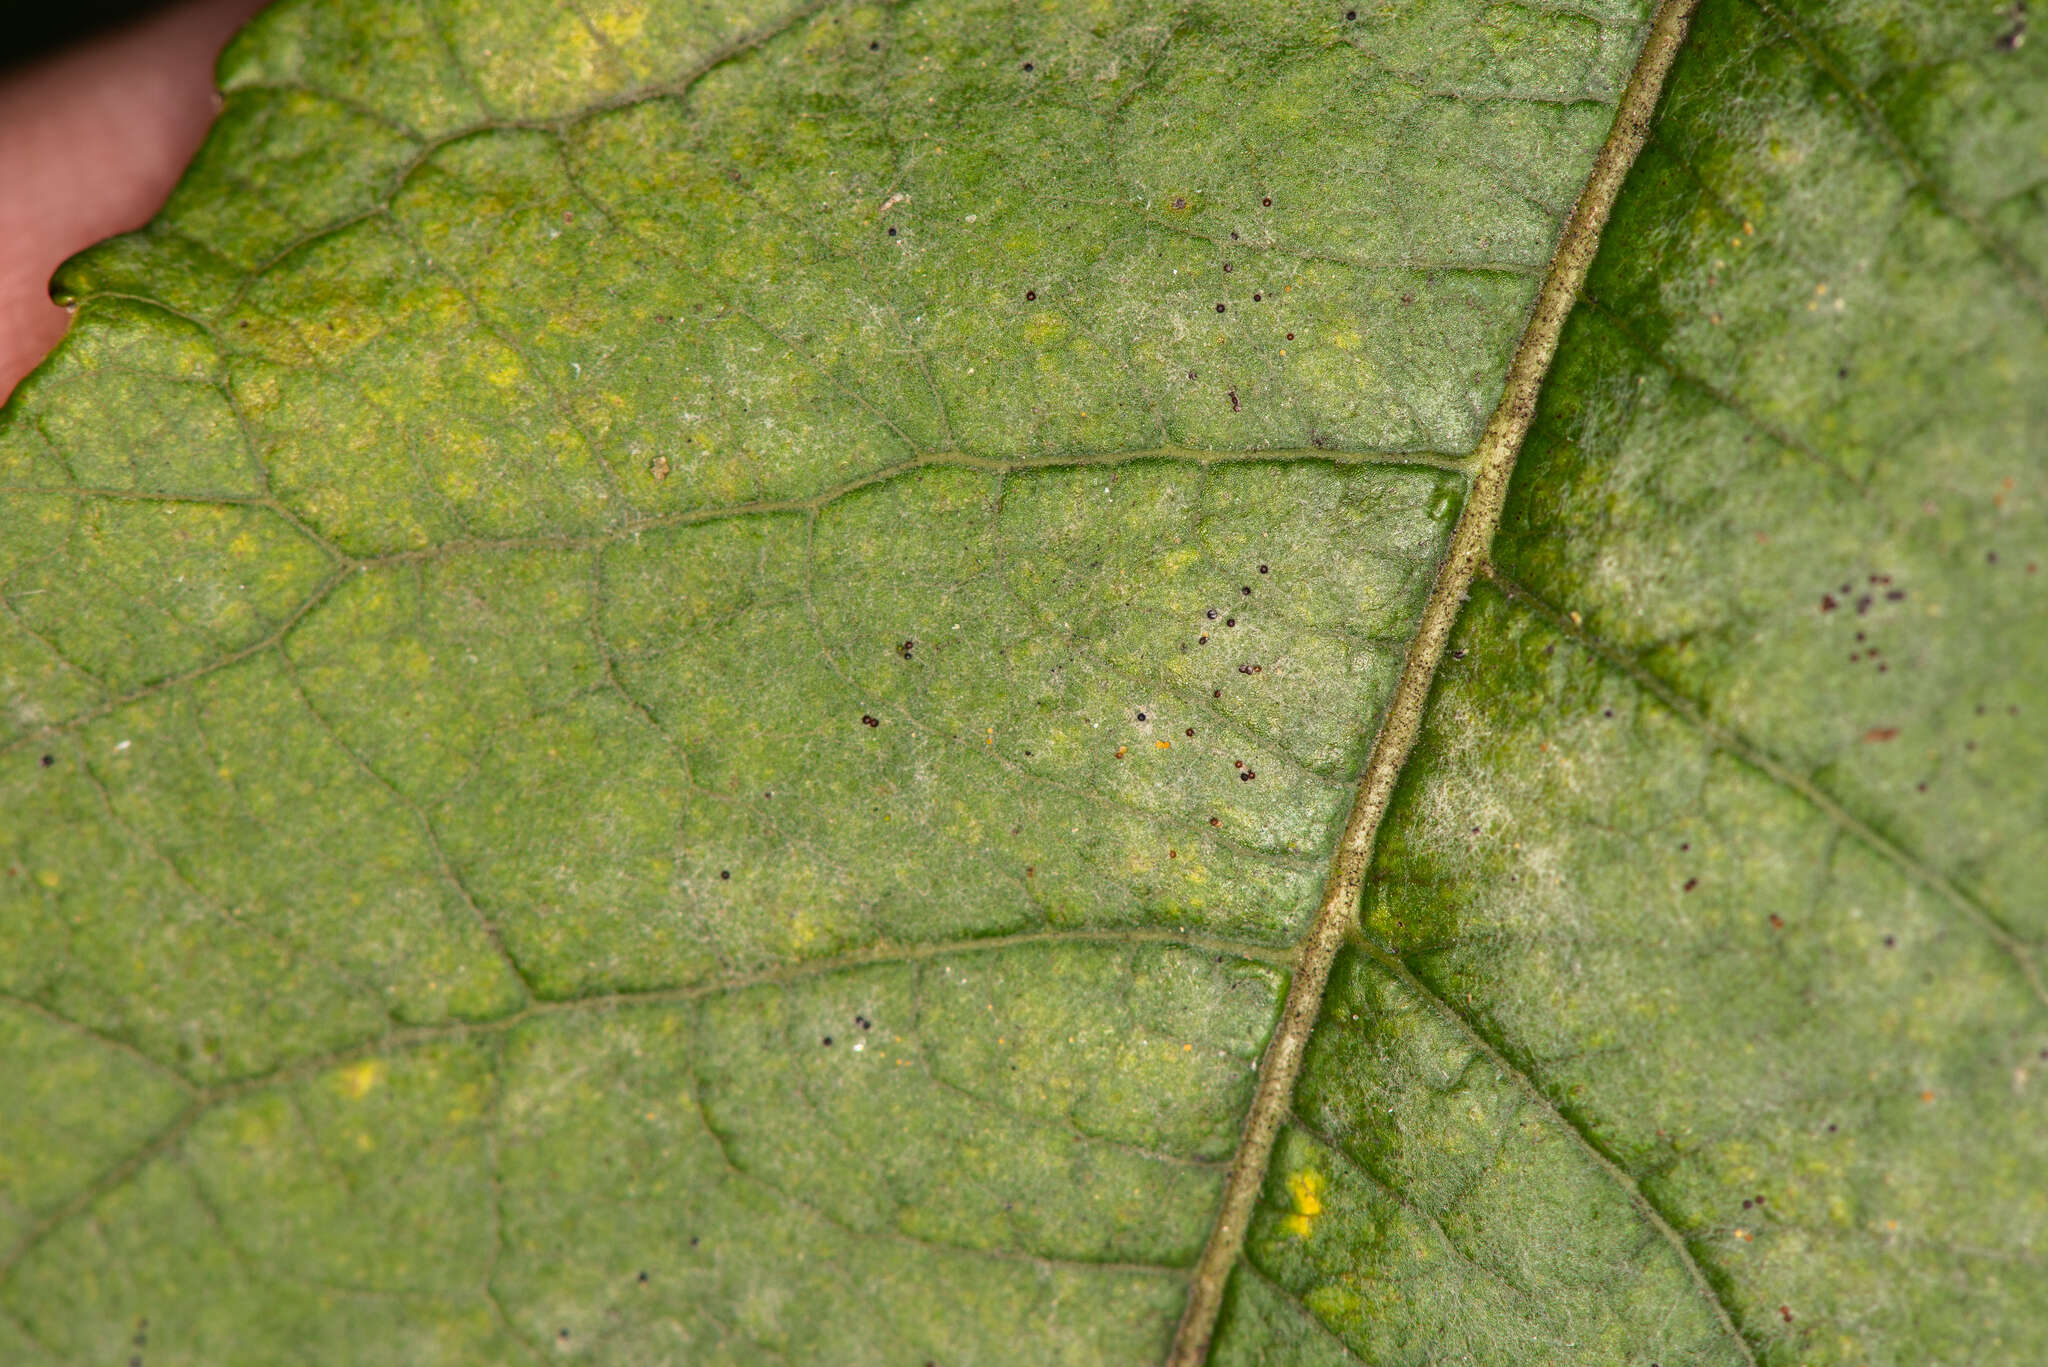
x,y
693,1241
1828,603
1262,568
1457,654
49,760
1891,942
1895,595
643,1279
1027,66
1350,14
1191,730
725,875
905,649
1215,692
1267,201
1230,621
1684,845
1608,712
1201,640
866,720
1211,614
1842,374
872,47
892,232
1142,717
1245,589
828,1041
1226,268
1030,296
1219,308
1257,297
1831,1127
1290,336
1991,557
1247,776
1691,883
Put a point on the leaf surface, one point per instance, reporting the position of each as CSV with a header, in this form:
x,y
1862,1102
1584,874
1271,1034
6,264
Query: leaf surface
x,y
675,681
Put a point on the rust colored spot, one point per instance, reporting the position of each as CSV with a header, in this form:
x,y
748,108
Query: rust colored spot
x,y
1777,921
1881,733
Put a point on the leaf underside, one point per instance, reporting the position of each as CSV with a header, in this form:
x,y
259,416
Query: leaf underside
x,y
674,679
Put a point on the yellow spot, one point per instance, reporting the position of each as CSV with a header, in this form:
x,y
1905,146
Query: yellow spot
x,y
357,1079
49,878
1163,744
1307,1190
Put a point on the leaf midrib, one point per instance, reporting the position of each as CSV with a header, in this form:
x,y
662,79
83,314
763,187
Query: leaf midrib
x,y
1470,548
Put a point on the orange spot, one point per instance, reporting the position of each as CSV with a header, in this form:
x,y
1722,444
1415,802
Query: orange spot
x,y
1881,733
1927,1096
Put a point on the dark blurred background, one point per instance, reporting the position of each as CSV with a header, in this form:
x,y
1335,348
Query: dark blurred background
x,y
34,28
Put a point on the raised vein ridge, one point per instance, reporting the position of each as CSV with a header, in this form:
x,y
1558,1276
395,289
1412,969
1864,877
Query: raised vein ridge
x,y
1470,546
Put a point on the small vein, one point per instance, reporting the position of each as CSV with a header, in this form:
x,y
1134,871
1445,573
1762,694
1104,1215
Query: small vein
x,y
483,919
2019,951
1314,1320
2023,274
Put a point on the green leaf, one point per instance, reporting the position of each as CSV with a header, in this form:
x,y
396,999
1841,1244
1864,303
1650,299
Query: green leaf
x,y
613,746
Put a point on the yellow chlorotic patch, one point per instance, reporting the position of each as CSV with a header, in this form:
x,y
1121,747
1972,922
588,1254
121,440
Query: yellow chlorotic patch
x,y
358,1078
1307,1190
